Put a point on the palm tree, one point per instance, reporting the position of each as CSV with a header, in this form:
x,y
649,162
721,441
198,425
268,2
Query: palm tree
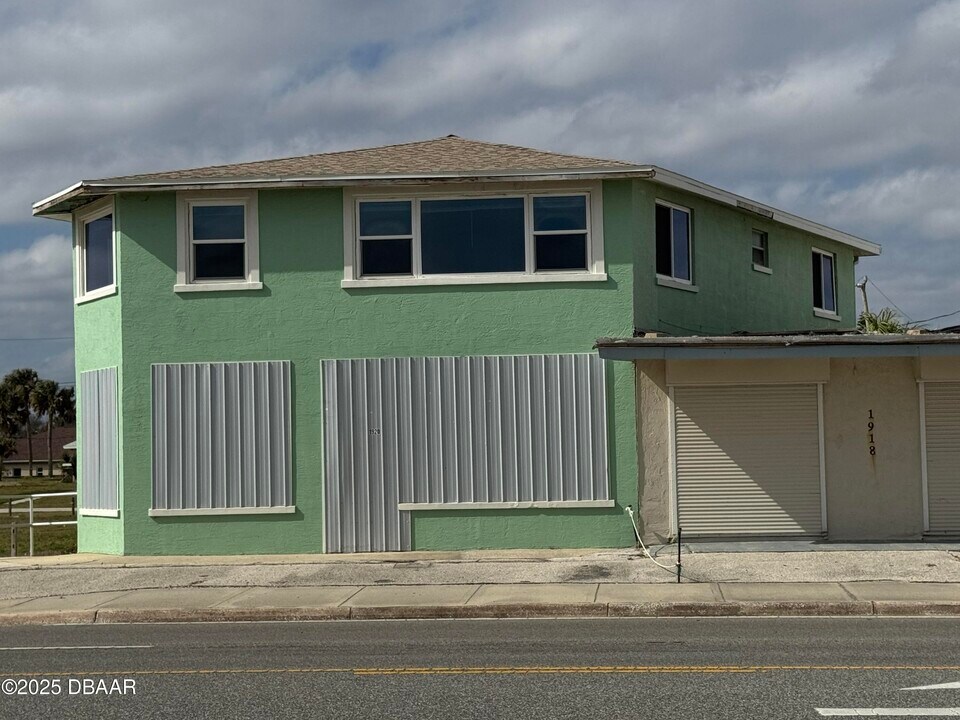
x,y
20,384
42,400
9,424
65,411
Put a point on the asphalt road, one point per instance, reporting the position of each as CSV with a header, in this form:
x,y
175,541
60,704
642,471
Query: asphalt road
x,y
603,668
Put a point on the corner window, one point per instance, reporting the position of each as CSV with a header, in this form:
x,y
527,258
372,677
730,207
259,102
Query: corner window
x,y
436,239
760,249
674,247
824,281
217,242
94,251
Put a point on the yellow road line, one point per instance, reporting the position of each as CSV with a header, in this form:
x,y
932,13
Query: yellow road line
x,y
497,670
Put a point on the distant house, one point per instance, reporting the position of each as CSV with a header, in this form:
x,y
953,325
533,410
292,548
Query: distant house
x,y
17,464
393,348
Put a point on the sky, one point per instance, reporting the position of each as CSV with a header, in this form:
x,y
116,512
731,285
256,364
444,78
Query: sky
x,y
847,113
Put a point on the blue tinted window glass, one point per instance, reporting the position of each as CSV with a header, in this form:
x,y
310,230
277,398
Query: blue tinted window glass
x,y
829,295
681,245
561,252
98,253
386,257
218,261
472,236
560,213
385,218
218,222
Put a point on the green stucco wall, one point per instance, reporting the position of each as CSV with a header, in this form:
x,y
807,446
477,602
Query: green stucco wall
x,y
98,331
303,315
732,295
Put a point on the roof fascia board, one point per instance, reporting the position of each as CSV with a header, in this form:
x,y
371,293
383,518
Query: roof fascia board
x,y
772,353
86,187
681,182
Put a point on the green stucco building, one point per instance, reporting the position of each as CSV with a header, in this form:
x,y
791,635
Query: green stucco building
x,y
393,348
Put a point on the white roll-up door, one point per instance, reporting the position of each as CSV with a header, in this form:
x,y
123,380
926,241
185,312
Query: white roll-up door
x,y
942,421
748,460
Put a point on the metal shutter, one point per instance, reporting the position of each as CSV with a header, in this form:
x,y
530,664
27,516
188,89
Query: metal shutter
x,y
221,436
748,460
941,403
457,430
99,455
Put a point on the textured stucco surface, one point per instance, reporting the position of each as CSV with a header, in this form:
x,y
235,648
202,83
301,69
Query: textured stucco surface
x,y
653,449
98,334
732,295
872,497
303,315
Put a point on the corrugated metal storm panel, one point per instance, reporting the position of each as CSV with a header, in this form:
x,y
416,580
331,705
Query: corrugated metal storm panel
x,y
221,435
942,420
99,441
449,430
748,460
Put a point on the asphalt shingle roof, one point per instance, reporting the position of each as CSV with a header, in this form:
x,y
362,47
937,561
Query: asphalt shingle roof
x,y
61,436
450,154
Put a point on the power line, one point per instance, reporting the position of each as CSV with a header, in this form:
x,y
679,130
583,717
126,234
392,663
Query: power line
x,y
938,317
36,339
902,313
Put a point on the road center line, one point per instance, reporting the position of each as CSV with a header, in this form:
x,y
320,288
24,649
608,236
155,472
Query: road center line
x,y
76,647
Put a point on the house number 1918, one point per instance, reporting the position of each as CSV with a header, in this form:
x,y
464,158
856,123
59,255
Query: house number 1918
x,y
870,426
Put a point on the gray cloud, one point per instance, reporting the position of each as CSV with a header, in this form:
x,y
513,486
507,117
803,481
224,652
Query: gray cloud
x,y
846,113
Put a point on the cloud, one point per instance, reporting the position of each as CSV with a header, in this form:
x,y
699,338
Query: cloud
x,y
36,304
845,113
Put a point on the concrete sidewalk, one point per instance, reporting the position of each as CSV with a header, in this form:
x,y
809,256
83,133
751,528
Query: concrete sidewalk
x,y
919,580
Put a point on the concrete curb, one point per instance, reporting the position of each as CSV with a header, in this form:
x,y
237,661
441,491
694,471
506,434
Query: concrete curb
x,y
853,608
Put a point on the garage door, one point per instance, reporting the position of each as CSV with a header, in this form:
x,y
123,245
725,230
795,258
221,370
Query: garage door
x,y
942,419
748,460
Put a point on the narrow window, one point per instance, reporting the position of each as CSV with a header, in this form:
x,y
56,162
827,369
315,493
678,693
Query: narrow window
x,y
386,238
98,253
560,232
218,238
824,282
760,249
472,236
673,242
94,249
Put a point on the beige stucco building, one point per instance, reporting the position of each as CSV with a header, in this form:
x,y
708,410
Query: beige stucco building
x,y
847,437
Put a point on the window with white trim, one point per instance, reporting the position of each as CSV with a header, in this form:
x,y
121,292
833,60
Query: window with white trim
x,y
472,238
95,250
674,245
761,249
824,281
218,247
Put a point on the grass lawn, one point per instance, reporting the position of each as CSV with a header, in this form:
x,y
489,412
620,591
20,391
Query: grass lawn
x,y
53,540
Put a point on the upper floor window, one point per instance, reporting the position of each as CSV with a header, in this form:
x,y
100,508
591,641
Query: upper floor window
x,y
674,245
217,245
94,250
761,251
423,239
824,281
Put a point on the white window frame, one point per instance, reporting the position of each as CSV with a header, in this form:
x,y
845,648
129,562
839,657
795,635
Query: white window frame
x,y
763,267
672,280
186,201
824,312
595,268
81,219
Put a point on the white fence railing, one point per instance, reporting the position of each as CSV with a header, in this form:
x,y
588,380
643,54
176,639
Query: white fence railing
x,y
33,523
